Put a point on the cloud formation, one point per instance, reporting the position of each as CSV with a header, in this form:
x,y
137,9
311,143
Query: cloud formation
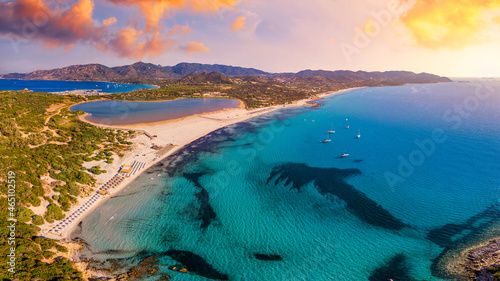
x,y
193,47
451,24
109,21
154,10
239,24
32,19
179,29
59,24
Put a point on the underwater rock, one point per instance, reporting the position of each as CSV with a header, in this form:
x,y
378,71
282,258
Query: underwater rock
x,y
196,264
268,257
394,269
333,181
206,213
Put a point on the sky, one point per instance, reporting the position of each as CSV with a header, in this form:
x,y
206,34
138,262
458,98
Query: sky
x,y
455,38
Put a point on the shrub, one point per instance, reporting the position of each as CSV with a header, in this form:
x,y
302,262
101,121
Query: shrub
x,y
96,170
73,189
61,248
53,213
48,254
24,214
37,220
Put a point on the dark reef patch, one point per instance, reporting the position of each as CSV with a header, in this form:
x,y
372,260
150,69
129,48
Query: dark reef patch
x,y
195,178
143,264
206,213
113,252
196,264
357,160
333,181
268,257
394,269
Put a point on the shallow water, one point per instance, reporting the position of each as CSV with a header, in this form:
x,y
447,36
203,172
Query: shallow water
x,y
112,112
269,186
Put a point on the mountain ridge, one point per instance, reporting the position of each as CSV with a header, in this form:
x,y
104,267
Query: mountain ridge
x,y
141,71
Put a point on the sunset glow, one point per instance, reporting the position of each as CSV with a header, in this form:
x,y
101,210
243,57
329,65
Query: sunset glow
x,y
439,36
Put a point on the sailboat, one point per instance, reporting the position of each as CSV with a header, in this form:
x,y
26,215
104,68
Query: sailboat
x,y
347,127
346,154
332,131
359,134
327,138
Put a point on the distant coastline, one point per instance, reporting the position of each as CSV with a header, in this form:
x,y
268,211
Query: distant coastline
x,y
71,87
99,81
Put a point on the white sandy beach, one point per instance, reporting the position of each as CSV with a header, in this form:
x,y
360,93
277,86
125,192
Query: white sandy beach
x,y
178,132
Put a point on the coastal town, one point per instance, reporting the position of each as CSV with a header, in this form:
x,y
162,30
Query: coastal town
x,y
81,93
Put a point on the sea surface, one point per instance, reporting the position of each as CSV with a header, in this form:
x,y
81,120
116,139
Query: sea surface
x,y
112,112
267,200
52,86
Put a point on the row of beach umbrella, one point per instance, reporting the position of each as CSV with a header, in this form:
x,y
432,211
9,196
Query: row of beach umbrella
x,y
112,183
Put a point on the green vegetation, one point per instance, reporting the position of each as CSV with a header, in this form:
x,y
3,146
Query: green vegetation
x,y
54,212
24,214
254,95
254,91
45,145
495,271
96,170
32,254
38,220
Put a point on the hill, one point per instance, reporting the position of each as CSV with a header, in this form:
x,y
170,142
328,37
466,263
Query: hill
x,y
206,78
144,70
184,69
136,72
186,73
87,72
396,77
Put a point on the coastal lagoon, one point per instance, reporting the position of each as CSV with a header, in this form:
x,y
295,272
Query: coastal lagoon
x,y
125,112
53,86
265,199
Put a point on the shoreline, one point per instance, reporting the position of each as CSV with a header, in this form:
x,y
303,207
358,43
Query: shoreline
x,y
479,260
178,132
154,86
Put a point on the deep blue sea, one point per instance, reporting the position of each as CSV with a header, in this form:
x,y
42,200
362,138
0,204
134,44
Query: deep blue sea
x,y
112,112
267,200
51,86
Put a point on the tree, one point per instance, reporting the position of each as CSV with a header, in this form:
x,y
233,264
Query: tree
x,y
96,170
38,220
53,213
24,214
73,189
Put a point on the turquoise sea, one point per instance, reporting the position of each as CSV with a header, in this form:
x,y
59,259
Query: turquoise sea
x,y
112,112
267,200
51,86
